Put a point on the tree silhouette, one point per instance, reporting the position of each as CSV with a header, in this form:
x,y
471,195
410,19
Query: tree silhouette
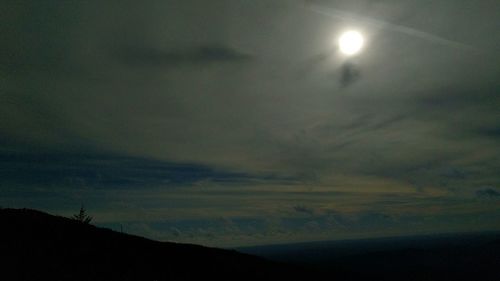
x,y
82,216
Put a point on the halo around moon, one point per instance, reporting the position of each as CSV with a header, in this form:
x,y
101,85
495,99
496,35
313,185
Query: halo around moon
x,y
351,42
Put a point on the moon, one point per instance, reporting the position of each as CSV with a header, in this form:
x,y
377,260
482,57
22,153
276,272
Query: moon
x,y
351,42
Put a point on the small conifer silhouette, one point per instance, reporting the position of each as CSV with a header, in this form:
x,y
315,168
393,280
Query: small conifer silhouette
x,y
82,216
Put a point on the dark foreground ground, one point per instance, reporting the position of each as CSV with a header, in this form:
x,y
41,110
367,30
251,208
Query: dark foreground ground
x,y
433,257
39,246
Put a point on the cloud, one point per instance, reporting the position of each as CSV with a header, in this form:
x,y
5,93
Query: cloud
x,y
175,231
345,15
490,132
349,74
90,168
232,127
199,55
304,210
488,193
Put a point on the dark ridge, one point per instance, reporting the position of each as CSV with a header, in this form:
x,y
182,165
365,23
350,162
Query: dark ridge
x,y
38,246
460,256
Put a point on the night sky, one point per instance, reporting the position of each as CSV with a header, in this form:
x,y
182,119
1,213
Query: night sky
x,y
238,122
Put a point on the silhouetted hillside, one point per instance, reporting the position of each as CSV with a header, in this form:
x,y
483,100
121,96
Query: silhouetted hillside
x,y
38,246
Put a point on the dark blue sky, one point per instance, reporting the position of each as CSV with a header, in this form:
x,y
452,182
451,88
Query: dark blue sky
x,y
239,122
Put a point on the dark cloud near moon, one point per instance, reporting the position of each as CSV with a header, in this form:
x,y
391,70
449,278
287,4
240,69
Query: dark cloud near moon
x,y
350,73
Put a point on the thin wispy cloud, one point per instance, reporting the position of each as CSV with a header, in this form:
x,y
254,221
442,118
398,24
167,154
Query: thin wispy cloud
x,y
194,56
352,17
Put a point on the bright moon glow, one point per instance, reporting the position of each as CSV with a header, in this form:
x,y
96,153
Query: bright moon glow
x,y
351,42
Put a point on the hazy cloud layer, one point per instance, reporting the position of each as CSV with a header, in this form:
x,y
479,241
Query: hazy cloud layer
x,y
488,193
250,96
143,57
